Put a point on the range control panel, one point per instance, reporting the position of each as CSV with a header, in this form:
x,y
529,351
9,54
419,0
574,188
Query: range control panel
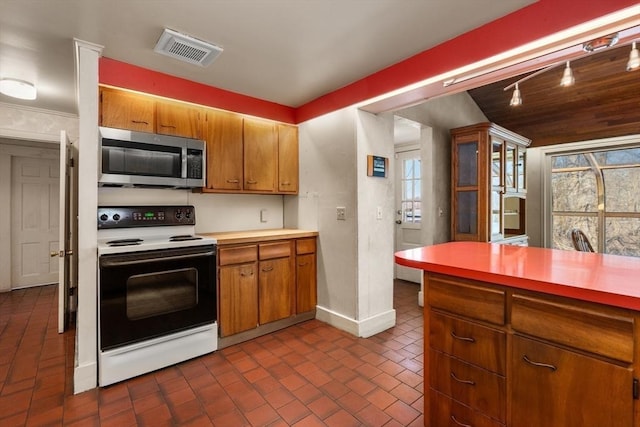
x,y
145,216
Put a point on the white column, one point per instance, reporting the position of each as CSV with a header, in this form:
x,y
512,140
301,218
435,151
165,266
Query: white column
x,y
86,368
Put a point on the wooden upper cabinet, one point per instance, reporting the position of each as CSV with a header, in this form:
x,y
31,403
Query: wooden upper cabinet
x,y
260,155
287,159
178,119
126,110
223,134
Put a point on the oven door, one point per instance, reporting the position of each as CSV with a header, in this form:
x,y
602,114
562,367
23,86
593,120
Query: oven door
x,y
143,295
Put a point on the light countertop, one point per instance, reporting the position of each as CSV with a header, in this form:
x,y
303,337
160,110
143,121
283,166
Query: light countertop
x,y
234,237
607,279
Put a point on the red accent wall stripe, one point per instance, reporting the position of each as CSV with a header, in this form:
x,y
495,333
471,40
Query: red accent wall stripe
x,y
127,76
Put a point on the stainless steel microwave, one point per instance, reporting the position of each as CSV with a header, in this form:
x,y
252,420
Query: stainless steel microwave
x,y
139,159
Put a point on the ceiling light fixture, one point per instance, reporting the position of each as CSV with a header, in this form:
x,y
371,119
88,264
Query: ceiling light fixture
x,y
18,89
516,99
634,58
567,77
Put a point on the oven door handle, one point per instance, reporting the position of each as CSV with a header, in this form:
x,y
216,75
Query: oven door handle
x,y
123,262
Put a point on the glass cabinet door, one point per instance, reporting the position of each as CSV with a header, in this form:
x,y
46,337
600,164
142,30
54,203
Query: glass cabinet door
x,y
510,168
521,165
496,215
467,154
496,163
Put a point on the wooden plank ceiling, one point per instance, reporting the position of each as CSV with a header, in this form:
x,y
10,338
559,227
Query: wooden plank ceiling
x,y
604,101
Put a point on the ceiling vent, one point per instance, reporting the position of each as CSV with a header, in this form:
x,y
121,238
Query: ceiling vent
x,y
187,48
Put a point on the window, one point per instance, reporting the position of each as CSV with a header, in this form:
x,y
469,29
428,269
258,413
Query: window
x,y
411,203
598,192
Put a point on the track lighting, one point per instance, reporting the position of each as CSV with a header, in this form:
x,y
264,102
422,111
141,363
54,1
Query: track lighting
x,y
567,77
516,99
634,58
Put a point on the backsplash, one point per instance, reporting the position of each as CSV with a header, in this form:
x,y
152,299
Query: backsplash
x,y
214,212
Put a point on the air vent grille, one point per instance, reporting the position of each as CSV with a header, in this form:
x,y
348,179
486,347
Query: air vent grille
x,y
187,48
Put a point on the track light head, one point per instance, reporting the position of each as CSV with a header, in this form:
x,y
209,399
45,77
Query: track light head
x,y
516,98
567,77
634,58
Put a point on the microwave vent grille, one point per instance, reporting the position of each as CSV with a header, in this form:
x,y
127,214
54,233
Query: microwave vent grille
x,y
187,48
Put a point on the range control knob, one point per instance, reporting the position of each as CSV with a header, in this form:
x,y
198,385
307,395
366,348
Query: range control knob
x,y
104,217
116,217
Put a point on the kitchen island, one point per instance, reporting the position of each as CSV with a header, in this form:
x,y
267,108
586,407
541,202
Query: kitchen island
x,y
523,336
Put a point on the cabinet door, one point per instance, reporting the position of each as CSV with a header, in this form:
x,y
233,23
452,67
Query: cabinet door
x,y
553,387
223,134
178,119
287,159
467,183
275,289
238,298
260,156
306,286
124,110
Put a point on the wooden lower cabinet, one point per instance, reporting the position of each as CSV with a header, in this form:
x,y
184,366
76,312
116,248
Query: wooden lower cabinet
x,y
527,359
264,282
238,289
276,285
238,298
554,387
306,273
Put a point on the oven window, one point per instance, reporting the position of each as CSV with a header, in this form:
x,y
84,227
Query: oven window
x,y
161,292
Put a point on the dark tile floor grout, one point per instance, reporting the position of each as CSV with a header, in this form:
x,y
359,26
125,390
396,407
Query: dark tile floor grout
x,y
310,374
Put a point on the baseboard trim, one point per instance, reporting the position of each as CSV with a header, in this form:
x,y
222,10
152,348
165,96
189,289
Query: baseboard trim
x,y
360,328
85,377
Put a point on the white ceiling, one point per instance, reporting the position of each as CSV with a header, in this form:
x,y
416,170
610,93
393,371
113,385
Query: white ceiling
x,y
285,51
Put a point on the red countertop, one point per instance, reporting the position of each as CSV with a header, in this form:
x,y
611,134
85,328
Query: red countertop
x,y
607,279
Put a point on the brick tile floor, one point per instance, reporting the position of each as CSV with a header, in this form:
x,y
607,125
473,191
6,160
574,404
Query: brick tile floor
x,y
310,374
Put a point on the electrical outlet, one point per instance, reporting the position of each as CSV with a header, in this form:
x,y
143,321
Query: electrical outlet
x,y
341,213
379,213
264,215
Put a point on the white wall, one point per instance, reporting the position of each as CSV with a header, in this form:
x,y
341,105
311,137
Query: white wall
x,y
375,232
327,147
355,256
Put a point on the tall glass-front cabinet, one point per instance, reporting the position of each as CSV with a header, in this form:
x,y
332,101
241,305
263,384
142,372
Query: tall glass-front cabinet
x,y
488,184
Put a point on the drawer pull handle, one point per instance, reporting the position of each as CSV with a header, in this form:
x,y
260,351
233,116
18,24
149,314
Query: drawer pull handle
x,y
469,382
140,122
466,339
233,181
167,126
246,273
453,418
541,365
302,264
267,269
249,181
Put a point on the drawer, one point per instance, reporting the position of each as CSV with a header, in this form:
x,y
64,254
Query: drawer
x,y
274,250
585,327
480,389
469,300
305,246
237,254
446,412
476,344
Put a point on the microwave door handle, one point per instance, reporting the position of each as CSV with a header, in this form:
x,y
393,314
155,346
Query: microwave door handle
x,y
184,157
121,262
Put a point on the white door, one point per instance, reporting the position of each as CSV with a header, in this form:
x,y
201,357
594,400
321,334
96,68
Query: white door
x,y
408,234
34,218
65,246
